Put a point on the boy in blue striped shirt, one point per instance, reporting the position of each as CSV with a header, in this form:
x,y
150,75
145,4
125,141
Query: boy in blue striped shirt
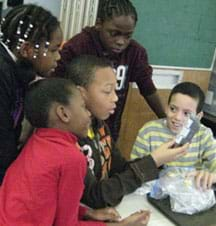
x,y
185,99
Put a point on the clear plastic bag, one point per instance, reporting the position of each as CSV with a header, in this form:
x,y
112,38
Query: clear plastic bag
x,y
184,196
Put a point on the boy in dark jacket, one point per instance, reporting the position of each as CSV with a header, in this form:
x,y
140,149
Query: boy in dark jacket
x,y
110,176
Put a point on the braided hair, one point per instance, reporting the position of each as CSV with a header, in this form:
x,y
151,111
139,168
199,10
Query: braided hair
x,y
28,23
109,8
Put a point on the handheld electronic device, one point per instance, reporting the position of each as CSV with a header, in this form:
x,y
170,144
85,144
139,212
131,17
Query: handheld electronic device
x,y
188,130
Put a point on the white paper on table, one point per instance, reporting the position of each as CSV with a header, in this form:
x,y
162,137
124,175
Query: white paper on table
x,y
132,203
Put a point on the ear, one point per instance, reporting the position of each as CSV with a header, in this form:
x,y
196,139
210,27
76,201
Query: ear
x,y
26,50
63,113
200,115
83,92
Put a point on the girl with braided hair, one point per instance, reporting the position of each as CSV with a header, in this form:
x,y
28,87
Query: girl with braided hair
x,y
30,37
111,38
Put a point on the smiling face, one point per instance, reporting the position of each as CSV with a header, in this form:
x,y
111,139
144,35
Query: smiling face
x,y
44,65
178,111
100,95
116,33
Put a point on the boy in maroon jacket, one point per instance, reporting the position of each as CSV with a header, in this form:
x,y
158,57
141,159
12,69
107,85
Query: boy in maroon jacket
x,y
111,38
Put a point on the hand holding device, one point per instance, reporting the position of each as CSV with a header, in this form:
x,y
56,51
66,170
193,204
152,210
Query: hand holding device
x,y
188,131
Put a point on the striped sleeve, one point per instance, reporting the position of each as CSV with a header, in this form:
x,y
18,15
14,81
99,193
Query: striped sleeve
x,y
209,150
141,145
149,138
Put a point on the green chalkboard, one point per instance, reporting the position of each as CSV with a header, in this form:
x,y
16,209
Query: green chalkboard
x,y
177,32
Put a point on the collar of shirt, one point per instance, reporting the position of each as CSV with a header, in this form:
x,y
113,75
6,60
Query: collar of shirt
x,y
91,134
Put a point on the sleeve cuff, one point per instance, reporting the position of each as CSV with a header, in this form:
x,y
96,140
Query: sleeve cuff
x,y
82,211
145,168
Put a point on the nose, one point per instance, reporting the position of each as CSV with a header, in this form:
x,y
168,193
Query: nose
x,y
120,41
58,56
89,113
114,97
178,115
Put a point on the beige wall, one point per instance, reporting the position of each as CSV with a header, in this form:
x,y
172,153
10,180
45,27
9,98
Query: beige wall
x,y
137,112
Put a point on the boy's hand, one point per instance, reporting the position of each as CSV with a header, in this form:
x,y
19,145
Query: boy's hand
x,y
105,214
140,218
203,179
165,153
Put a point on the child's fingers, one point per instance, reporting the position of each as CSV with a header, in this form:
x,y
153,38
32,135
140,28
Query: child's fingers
x,y
169,144
144,222
142,214
113,213
198,178
110,214
142,217
205,179
180,151
210,181
183,148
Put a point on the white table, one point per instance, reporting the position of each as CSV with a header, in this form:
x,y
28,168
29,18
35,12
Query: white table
x,y
133,202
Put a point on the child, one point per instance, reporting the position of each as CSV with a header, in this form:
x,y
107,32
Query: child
x,y
43,186
30,39
110,176
184,99
111,38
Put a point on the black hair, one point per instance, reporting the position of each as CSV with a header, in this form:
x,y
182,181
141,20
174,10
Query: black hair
x,y
109,8
13,3
81,70
44,24
42,94
189,89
